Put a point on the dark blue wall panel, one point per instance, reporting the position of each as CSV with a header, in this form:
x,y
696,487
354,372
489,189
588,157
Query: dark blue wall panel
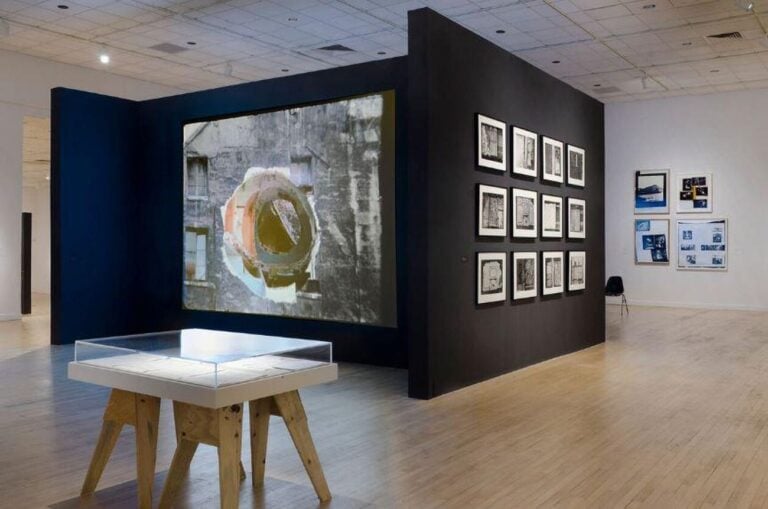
x,y
95,208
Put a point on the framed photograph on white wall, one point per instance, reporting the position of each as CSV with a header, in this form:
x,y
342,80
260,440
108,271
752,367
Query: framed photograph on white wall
x,y
492,211
694,193
491,143
524,275
576,166
702,244
525,149
491,277
553,160
652,192
525,207
552,272
652,241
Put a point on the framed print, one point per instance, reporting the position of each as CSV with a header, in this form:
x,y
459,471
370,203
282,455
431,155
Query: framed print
x,y
577,218
576,166
651,241
524,275
524,213
702,244
491,143
525,149
553,160
577,270
694,193
551,216
652,192
491,277
492,211
552,270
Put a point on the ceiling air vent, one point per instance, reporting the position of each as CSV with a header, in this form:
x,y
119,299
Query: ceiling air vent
x,y
167,47
606,90
726,35
335,47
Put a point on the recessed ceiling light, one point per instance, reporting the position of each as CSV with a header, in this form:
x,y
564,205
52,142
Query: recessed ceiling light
x,y
381,53
191,43
649,6
47,177
555,61
687,43
284,70
104,58
293,19
747,5
597,85
63,6
501,31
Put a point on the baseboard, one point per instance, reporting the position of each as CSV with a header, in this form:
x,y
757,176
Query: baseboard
x,y
689,305
6,318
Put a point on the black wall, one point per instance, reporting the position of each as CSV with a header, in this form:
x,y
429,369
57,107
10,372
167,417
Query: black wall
x,y
118,212
454,74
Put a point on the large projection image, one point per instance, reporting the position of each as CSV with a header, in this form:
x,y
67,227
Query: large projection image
x,y
292,212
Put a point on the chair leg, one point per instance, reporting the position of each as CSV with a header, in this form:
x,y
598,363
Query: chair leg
x,y
624,304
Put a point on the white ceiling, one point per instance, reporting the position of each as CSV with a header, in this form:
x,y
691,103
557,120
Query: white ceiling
x,y
36,151
612,49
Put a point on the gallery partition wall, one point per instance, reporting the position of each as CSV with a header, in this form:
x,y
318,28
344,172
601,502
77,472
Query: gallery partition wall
x,y
441,211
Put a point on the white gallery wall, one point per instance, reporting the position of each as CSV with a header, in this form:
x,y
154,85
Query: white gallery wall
x,y
725,134
25,84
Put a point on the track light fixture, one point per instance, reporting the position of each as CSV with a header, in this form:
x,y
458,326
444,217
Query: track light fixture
x,y
746,5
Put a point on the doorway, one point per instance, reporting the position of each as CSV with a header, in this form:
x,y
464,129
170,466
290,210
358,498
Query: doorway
x,y
36,201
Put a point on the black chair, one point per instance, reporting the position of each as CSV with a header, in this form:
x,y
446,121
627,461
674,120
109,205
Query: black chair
x,y
615,288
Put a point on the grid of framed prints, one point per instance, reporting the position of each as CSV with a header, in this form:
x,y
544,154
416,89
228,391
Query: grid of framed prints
x,y
533,215
702,244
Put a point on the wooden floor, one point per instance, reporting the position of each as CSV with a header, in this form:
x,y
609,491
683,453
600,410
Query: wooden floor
x,y
671,412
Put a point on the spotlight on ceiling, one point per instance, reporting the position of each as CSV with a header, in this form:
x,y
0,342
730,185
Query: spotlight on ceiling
x,y
5,28
555,61
648,7
63,7
501,31
747,5
104,58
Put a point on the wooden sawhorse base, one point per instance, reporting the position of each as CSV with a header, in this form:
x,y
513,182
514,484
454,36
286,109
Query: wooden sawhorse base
x,y
223,427
143,413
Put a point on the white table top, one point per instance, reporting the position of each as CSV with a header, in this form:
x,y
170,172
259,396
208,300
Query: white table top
x,y
201,383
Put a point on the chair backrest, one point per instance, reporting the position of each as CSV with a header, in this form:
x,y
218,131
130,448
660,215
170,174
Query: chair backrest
x,y
615,286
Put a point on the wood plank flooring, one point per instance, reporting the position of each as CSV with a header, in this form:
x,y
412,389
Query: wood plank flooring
x,y
671,412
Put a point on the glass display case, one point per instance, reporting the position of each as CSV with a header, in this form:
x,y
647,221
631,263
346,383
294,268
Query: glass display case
x,y
204,358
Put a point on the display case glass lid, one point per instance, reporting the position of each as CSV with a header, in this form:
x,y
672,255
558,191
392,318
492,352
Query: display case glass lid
x,y
204,357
